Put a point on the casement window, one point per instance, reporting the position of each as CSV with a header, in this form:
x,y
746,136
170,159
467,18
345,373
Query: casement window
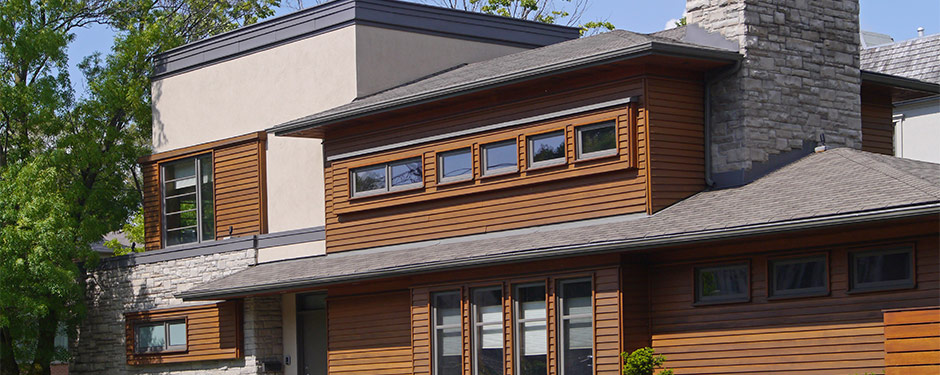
x,y
188,205
487,333
531,325
881,269
722,283
455,165
546,149
499,158
387,177
575,332
157,337
596,140
802,276
446,321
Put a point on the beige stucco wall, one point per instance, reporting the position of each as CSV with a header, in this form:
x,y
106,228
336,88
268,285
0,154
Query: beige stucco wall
x,y
270,254
295,183
388,58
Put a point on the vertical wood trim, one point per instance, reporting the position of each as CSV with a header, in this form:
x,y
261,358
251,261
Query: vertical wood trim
x,y
262,182
647,119
552,334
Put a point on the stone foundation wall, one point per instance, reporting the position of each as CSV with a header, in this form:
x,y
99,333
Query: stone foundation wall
x,y
800,77
112,292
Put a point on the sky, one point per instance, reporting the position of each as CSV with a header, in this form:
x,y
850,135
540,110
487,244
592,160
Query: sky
x,y
899,19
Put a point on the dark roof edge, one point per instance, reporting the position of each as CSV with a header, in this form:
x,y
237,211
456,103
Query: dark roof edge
x,y
585,249
332,15
901,82
649,48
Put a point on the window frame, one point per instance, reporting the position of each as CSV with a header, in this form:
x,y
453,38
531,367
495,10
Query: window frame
x,y
698,299
580,155
560,319
530,146
772,293
197,162
517,323
439,159
387,167
165,322
435,328
485,172
878,286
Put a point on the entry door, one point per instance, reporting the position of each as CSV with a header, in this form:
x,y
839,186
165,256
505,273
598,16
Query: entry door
x,y
311,327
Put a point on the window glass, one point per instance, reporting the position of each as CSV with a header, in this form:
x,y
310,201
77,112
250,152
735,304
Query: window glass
x,y
207,198
406,173
499,157
596,139
177,333
369,179
188,204
447,342
530,321
150,337
181,236
185,168
882,269
798,276
488,331
455,164
547,148
576,334
722,283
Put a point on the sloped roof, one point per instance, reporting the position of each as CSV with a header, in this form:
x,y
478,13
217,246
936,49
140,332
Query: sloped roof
x,y
828,188
917,58
617,44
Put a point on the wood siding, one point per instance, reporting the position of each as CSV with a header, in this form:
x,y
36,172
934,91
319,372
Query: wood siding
x,y
239,187
576,190
836,334
912,341
212,332
877,120
676,140
370,334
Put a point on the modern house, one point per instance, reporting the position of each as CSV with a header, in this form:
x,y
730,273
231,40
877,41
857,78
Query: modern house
x,y
380,187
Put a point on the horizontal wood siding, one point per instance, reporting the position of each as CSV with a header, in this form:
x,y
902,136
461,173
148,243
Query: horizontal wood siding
x,y
877,121
841,333
676,140
607,321
635,304
370,334
576,190
153,239
213,332
912,341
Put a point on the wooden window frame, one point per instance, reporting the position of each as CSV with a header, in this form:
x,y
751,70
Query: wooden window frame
x,y
530,154
698,298
165,322
581,156
484,172
388,189
909,283
773,294
438,157
199,214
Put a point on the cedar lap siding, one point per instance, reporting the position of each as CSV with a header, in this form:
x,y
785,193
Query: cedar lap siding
x,y
659,159
239,186
212,332
877,119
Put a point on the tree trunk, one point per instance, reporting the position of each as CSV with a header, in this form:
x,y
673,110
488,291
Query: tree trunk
x,y
45,345
8,364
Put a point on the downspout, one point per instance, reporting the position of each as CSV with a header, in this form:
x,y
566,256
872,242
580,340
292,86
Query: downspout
x,y
709,81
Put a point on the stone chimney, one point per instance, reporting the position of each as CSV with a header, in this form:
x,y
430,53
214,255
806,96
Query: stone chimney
x,y
799,79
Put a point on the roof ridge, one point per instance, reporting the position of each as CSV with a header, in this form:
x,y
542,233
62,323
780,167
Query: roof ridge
x,y
901,176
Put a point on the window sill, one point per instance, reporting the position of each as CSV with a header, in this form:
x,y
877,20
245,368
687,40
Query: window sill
x,y
599,156
721,302
387,193
500,173
796,296
540,167
911,285
162,352
456,181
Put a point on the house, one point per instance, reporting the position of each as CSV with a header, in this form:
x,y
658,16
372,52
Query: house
x,y
378,187
916,124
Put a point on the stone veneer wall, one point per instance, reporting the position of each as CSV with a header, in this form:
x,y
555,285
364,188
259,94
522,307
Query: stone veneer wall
x,y
800,77
113,292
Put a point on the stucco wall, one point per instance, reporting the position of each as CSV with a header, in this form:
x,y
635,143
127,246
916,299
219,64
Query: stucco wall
x,y
917,135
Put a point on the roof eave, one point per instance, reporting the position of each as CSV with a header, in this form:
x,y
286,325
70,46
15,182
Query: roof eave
x,y
645,49
900,82
893,213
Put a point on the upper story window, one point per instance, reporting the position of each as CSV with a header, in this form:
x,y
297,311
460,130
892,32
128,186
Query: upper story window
x,y
546,149
499,157
804,276
881,269
722,283
188,205
386,177
456,165
596,140
162,336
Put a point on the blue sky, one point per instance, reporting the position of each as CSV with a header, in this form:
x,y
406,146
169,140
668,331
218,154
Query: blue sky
x,y
900,19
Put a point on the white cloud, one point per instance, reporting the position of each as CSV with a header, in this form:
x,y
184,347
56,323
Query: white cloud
x,y
671,24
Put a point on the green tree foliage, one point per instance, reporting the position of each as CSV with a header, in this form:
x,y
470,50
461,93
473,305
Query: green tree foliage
x,y
643,361
562,12
67,166
681,22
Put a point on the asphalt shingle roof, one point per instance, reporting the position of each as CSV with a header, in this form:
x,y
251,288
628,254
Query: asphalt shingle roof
x,y
834,182
917,58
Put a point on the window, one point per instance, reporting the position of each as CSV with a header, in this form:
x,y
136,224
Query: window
x,y
576,320
487,332
155,337
446,333
399,175
546,149
596,140
531,325
188,204
719,284
456,165
805,276
882,269
499,157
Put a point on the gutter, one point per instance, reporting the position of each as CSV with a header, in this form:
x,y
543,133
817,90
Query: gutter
x,y
900,82
582,249
640,50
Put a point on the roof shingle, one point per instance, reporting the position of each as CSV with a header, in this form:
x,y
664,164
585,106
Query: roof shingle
x,y
917,58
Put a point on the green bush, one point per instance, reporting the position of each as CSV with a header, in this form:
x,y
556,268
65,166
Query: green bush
x,y
643,362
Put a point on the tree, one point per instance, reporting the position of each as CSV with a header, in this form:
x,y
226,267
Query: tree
x,y
643,361
67,166
562,12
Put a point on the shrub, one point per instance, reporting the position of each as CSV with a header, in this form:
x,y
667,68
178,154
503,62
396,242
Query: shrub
x,y
643,362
